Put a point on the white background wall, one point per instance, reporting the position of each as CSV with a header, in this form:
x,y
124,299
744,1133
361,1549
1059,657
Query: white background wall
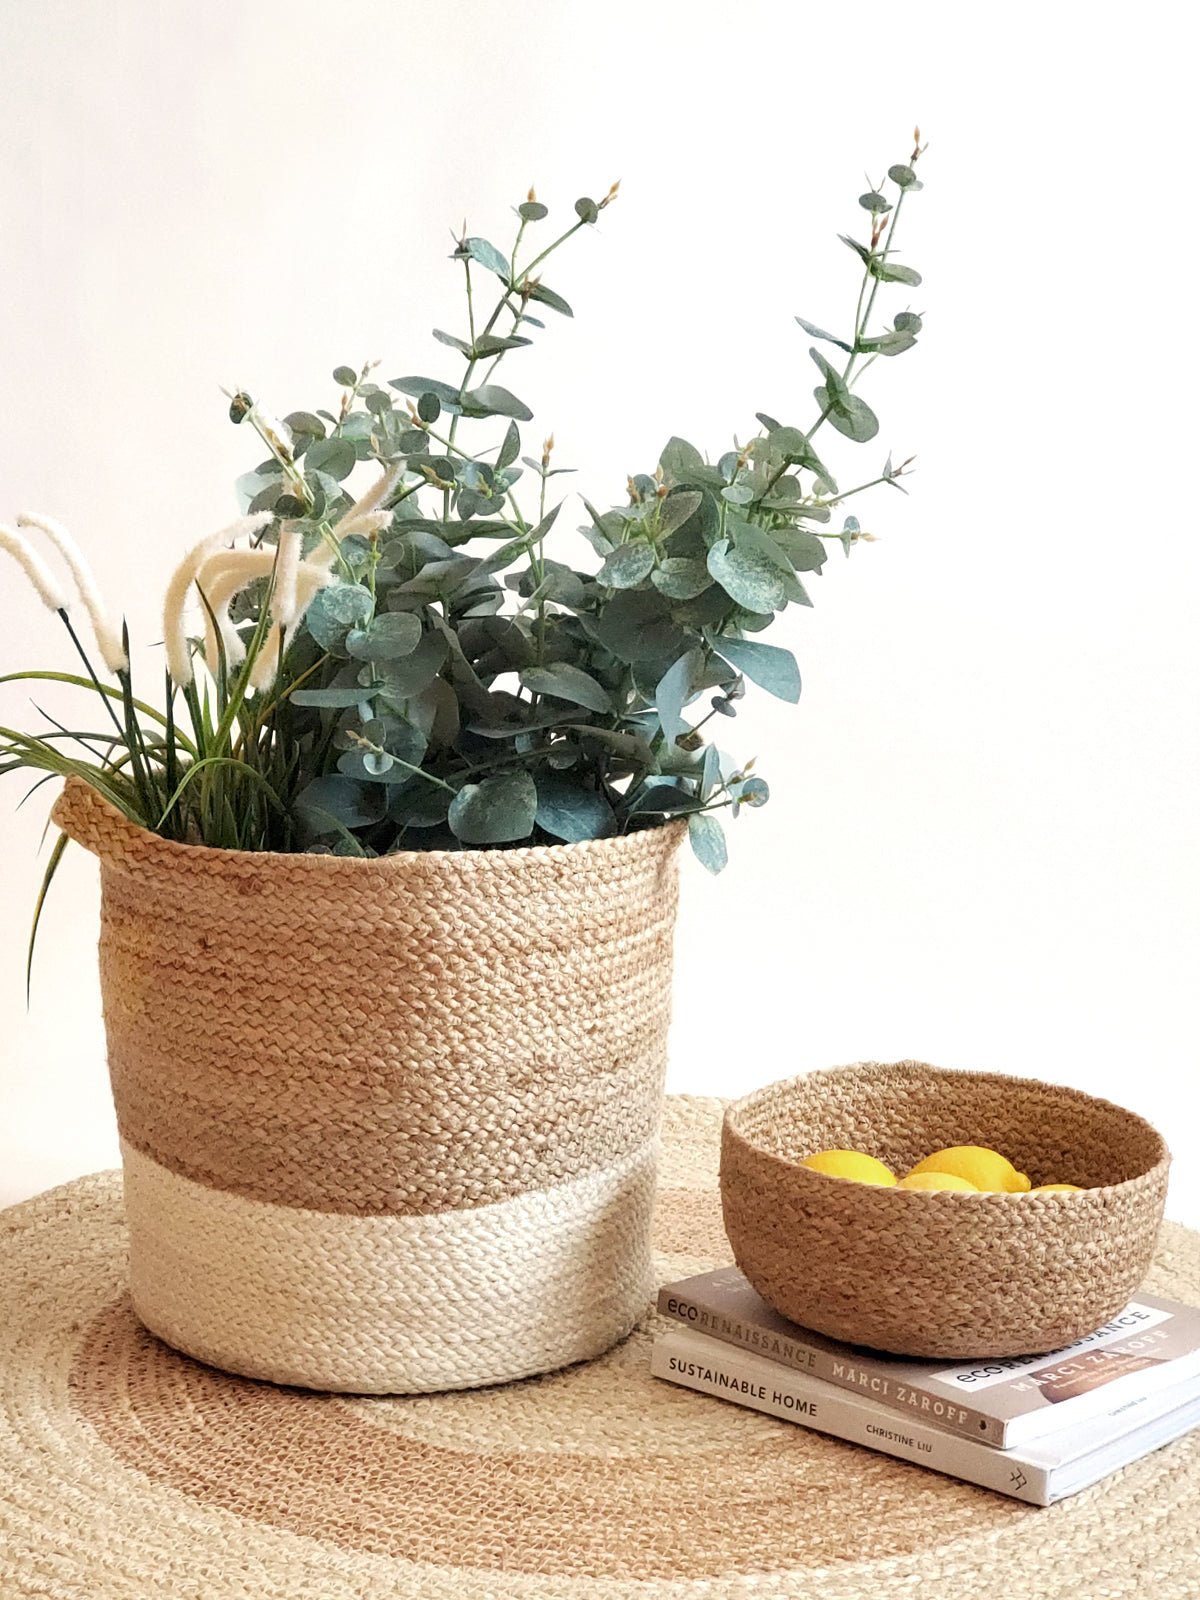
x,y
980,846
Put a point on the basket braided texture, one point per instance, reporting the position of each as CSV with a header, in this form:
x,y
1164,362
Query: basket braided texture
x,y
129,1472
948,1274
416,1097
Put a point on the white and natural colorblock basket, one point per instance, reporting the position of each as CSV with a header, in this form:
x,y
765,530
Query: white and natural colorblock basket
x,y
388,1126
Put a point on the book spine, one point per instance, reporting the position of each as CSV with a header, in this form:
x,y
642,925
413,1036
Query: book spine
x,y
763,1386
935,1410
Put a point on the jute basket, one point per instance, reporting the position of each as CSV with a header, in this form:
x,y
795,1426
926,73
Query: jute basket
x,y
948,1274
387,1125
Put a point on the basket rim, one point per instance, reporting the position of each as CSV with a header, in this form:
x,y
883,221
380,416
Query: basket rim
x,y
77,794
732,1129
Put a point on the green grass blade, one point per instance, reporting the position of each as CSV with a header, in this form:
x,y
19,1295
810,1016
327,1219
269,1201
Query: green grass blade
x,y
214,761
113,694
56,855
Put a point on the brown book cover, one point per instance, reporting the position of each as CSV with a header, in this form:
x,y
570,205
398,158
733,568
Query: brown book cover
x,y
1003,1401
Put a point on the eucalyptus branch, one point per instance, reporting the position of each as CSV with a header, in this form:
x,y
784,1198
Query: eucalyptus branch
x,y
542,701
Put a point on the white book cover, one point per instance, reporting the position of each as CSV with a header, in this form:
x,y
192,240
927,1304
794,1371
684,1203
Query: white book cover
x,y
1039,1472
1153,1343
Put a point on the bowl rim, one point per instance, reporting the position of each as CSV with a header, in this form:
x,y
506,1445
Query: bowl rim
x,y
732,1129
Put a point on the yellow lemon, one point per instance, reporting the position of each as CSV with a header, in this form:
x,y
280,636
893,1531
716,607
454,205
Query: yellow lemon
x,y
1055,1188
850,1164
935,1180
984,1168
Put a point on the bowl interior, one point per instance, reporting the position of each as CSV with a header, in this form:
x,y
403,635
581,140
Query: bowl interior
x,y
903,1112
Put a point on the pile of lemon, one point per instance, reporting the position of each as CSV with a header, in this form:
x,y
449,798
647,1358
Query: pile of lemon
x,y
972,1167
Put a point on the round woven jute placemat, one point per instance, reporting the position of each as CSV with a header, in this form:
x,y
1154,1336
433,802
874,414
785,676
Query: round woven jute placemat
x,y
129,1472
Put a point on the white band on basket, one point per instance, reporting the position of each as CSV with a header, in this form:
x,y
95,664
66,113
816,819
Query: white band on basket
x,y
389,1304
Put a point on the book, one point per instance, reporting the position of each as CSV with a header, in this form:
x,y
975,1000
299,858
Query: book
x,y
1003,1400
1039,1472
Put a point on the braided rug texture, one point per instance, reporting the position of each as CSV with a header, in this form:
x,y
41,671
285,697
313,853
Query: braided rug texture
x,y
129,1472
431,1068
967,1274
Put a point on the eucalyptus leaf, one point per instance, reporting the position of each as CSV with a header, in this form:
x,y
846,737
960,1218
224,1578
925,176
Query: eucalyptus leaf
x,y
893,272
637,625
748,577
386,637
490,400
819,333
440,579
491,344
852,417
805,551
418,804
773,669
567,682
752,540
835,385
851,529
333,802
710,771
889,344
681,577
372,766
632,746
532,211
707,839
415,387
305,423
351,695
683,464
435,712
627,565
665,797
674,690
875,202
860,250
346,376
410,674
259,490
677,509
511,447
572,813
337,457
335,610
487,256
453,341
498,810
539,291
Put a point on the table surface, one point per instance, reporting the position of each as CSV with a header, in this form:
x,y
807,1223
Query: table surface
x,y
130,1472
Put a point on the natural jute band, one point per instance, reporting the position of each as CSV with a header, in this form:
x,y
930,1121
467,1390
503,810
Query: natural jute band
x,y
404,1040
221,1278
417,1033
128,1472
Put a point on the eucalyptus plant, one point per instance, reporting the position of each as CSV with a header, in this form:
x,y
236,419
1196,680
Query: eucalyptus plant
x,y
413,668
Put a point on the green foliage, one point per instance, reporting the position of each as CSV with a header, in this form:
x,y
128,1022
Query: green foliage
x,y
456,686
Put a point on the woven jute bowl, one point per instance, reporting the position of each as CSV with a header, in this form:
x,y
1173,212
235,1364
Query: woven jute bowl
x,y
942,1274
387,1125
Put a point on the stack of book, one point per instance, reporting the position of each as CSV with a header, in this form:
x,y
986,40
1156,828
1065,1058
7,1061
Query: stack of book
x,y
1038,1427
